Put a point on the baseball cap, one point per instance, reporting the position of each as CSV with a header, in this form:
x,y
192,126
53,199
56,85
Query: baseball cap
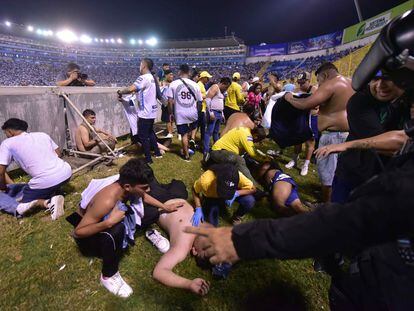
x,y
304,76
255,79
227,177
205,74
236,75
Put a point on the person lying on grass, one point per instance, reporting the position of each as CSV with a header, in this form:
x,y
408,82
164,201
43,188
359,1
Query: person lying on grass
x,y
110,212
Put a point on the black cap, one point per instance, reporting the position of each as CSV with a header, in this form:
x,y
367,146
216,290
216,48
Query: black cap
x,y
185,68
227,180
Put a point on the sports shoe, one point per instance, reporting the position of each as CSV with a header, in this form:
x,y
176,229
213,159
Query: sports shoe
x,y
23,208
158,156
304,170
186,159
193,144
191,151
55,206
158,240
291,164
117,286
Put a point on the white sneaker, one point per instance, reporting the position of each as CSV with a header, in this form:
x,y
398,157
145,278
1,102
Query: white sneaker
x,y
291,164
304,170
179,137
23,208
158,240
55,206
117,286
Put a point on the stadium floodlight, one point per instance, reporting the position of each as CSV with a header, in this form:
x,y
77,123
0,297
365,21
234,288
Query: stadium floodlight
x,y
101,40
30,28
140,42
7,23
106,40
85,39
112,40
96,39
151,41
67,36
119,40
48,33
132,41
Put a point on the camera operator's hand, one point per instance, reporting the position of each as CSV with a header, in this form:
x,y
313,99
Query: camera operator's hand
x,y
74,76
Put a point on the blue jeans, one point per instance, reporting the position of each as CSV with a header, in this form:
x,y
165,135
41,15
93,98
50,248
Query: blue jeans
x,y
211,207
202,125
147,137
22,193
212,129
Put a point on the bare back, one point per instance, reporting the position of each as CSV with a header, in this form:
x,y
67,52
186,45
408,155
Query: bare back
x,y
332,113
238,119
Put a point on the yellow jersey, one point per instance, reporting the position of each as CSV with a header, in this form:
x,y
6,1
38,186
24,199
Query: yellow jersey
x,y
234,97
207,184
204,94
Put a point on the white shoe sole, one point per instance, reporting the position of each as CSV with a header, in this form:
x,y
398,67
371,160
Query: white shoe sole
x,y
57,202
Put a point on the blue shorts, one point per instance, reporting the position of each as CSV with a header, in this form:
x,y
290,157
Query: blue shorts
x,y
186,128
314,126
280,176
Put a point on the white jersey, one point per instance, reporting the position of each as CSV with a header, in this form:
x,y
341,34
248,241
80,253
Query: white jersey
x,y
185,105
35,154
147,96
217,102
131,112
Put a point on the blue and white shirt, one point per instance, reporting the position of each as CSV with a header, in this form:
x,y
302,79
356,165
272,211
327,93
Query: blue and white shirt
x,y
147,96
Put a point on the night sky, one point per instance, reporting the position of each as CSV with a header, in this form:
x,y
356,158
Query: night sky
x,y
269,21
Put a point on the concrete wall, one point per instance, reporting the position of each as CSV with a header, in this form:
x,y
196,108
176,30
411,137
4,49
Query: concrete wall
x,y
42,108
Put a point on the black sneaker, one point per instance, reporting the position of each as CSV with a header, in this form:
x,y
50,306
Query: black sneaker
x,y
193,144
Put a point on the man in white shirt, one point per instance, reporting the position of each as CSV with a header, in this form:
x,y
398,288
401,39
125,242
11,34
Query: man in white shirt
x,y
146,89
38,155
183,97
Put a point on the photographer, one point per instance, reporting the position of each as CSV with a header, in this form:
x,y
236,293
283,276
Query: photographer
x,y
73,77
376,226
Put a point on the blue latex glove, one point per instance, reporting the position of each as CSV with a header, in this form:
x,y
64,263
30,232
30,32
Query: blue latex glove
x,y
230,202
198,217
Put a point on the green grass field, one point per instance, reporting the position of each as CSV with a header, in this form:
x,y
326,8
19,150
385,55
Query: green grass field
x,y
41,268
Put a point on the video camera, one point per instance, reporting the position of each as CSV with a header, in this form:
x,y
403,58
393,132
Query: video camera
x,y
393,53
82,76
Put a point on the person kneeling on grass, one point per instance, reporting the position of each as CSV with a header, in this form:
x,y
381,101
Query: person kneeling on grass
x,y
38,155
109,214
282,188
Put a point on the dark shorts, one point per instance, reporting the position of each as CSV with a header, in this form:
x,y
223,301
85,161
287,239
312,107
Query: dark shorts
x,y
314,126
186,128
280,176
30,194
165,114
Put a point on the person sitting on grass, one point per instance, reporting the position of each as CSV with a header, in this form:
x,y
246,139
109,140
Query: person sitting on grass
x,y
282,188
38,155
86,139
108,216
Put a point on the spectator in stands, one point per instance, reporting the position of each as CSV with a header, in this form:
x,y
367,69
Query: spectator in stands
x,y
234,98
161,73
73,76
146,87
306,87
38,155
332,97
221,185
254,99
215,107
165,115
290,85
86,139
115,206
184,97
204,79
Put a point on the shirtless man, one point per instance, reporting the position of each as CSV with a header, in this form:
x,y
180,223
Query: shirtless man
x,y
238,119
181,245
86,140
332,96
306,87
109,213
